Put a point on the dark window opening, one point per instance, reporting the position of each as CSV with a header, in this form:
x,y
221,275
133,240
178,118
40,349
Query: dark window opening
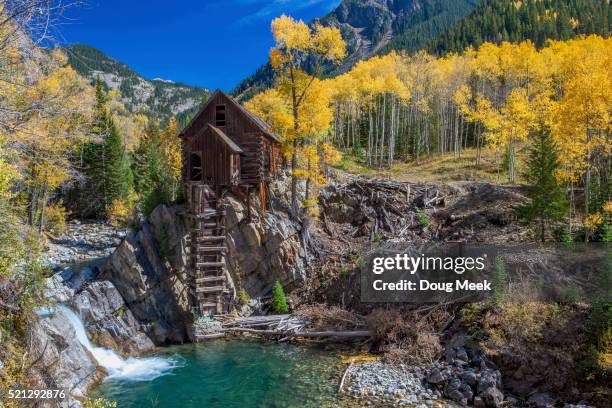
x,y
196,167
220,115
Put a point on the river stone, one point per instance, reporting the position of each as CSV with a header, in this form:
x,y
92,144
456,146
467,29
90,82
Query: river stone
x,y
576,406
479,403
469,377
56,290
461,354
541,400
435,376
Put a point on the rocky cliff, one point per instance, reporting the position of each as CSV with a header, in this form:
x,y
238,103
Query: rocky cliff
x,y
148,271
61,362
264,249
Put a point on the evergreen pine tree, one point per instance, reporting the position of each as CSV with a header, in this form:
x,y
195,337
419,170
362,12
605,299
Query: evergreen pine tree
x,y
153,180
279,302
548,202
106,165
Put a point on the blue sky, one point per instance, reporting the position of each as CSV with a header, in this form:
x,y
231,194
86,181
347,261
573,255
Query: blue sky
x,y
214,44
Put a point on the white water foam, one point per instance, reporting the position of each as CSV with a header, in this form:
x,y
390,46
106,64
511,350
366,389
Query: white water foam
x,y
118,367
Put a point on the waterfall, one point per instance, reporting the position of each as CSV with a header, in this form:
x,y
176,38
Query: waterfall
x,y
118,367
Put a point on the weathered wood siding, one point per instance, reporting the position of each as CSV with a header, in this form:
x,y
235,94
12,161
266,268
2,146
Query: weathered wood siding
x,y
236,125
220,166
261,158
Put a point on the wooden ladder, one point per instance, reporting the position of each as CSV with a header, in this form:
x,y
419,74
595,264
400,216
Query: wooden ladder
x,y
207,249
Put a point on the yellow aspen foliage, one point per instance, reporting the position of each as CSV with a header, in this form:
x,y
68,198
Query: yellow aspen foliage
x,y
121,211
291,34
8,175
330,154
582,115
327,44
274,109
300,93
593,221
171,147
495,96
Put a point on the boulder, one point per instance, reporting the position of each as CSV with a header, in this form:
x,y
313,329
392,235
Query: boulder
x,y
435,376
489,386
251,235
492,397
541,400
454,391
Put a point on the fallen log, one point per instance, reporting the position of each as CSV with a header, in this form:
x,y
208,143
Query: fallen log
x,y
343,334
346,334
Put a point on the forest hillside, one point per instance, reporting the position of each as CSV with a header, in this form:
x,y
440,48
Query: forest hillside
x,y
374,27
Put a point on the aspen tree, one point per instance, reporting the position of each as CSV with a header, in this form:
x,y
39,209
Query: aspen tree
x,y
297,43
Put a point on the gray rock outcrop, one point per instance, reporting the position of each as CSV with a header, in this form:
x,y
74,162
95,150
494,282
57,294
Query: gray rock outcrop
x,y
264,249
148,271
109,321
58,350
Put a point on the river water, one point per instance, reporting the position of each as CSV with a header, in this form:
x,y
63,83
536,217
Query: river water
x,y
118,367
240,373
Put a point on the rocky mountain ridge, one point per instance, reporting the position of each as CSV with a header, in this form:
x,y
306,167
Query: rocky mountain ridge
x,y
156,97
370,27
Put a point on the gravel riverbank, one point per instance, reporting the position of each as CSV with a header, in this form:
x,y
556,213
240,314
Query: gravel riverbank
x,y
82,242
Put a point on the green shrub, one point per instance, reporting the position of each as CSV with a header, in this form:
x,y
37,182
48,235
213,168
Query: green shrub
x,y
344,272
243,297
571,295
279,302
424,220
360,263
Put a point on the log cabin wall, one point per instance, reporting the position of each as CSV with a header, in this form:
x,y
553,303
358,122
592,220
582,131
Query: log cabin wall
x,y
220,165
260,159
236,126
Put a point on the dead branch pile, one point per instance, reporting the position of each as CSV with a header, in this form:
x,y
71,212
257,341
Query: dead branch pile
x,y
380,207
284,328
408,337
331,318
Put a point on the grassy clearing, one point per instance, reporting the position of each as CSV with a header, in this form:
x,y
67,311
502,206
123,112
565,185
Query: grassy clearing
x,y
444,167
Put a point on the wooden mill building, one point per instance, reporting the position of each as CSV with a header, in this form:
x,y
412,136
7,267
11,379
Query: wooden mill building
x,y
225,147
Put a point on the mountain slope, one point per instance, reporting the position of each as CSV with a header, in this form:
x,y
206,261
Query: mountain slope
x,y
537,20
374,26
377,26
155,98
